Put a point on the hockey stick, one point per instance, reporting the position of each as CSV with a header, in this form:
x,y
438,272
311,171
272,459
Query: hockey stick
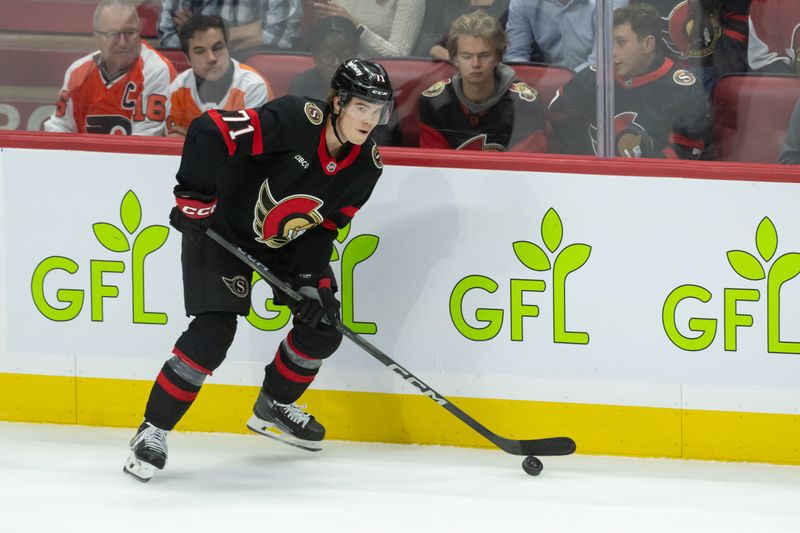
x,y
546,446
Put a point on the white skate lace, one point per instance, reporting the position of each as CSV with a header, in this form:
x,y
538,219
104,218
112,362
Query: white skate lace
x,y
155,439
295,413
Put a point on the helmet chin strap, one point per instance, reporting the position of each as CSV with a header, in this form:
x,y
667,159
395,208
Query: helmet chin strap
x,y
334,119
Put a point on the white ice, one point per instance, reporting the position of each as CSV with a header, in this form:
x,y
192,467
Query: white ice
x,y
69,478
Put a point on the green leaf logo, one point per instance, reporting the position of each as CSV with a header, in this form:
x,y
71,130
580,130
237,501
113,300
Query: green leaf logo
x,y
531,256
111,237
766,239
552,230
746,265
130,212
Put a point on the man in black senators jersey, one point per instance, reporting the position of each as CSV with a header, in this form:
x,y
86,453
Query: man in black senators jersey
x,y
660,108
278,181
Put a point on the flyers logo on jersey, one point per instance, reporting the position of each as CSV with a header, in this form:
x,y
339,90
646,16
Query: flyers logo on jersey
x,y
525,91
278,223
436,89
313,113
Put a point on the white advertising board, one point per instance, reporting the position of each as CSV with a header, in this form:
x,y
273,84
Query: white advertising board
x,y
638,291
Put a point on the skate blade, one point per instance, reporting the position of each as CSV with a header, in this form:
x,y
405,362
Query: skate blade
x,y
270,429
139,470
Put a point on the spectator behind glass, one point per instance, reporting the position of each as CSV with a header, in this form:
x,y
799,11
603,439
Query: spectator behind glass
x,y
215,81
432,41
253,25
484,106
388,28
790,155
774,45
120,89
661,108
556,32
334,40
708,36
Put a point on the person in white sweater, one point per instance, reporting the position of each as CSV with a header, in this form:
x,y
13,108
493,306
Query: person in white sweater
x,y
389,28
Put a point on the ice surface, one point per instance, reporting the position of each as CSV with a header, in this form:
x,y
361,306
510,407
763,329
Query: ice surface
x,y
70,478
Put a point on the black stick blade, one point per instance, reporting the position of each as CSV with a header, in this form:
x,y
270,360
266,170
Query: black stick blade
x,y
545,447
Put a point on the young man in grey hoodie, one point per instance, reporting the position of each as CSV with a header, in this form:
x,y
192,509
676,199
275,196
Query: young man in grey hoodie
x,y
483,106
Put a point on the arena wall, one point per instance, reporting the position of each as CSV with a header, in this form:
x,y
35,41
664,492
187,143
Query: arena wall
x,y
643,308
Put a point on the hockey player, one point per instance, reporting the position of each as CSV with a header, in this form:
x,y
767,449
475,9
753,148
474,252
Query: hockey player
x,y
484,106
215,81
660,109
277,181
120,89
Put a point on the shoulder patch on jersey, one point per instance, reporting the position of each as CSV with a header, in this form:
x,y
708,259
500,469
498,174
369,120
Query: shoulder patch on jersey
x,y
313,113
376,156
525,91
436,89
684,77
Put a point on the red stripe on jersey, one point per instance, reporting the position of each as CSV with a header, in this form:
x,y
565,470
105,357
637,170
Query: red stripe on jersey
x,y
644,79
686,141
349,211
329,164
258,141
289,374
290,341
329,224
735,35
173,390
224,129
183,357
669,153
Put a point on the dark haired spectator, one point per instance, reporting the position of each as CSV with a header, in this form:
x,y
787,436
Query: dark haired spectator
x,y
387,28
432,41
660,108
774,44
253,25
556,32
120,89
333,40
790,154
709,36
483,106
215,81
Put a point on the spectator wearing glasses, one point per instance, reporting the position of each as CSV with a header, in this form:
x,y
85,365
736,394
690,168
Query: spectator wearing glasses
x,y
333,40
122,88
253,25
215,81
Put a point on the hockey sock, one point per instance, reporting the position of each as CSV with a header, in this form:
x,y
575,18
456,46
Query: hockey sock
x,y
173,392
290,373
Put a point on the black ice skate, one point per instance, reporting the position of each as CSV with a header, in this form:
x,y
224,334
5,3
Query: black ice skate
x,y
287,423
148,452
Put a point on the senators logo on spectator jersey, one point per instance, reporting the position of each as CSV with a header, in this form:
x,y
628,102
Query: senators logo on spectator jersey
x,y
525,91
277,223
479,142
688,36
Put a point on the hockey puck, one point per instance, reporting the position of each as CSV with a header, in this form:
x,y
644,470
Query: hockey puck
x,y
532,466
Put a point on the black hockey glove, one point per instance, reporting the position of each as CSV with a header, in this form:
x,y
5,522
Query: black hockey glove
x,y
319,304
194,207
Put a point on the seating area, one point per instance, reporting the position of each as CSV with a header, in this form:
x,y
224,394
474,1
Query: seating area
x,y
39,39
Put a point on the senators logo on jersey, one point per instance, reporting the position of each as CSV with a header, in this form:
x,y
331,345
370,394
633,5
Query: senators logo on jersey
x,y
688,36
277,223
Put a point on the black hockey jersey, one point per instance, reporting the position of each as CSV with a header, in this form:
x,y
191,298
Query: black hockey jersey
x,y
705,32
280,194
663,113
515,121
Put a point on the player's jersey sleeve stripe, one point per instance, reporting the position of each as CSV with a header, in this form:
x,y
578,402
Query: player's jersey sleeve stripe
x,y
329,224
349,211
258,140
225,130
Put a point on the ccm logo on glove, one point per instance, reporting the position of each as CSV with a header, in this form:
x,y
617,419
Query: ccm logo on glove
x,y
196,208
